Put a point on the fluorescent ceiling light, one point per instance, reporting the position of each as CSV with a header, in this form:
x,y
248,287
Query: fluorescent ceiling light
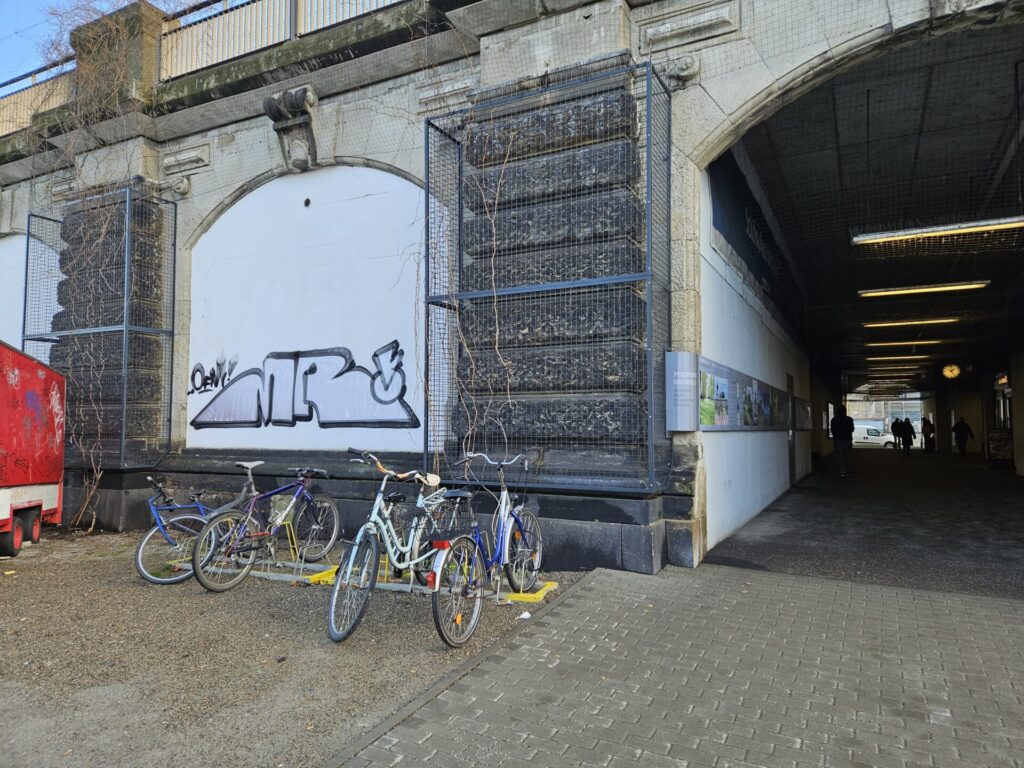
x,y
899,357
894,368
923,343
963,228
905,323
938,288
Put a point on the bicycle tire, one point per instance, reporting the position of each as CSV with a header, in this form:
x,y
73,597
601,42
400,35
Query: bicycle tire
x,y
159,561
458,600
215,553
317,526
343,618
525,551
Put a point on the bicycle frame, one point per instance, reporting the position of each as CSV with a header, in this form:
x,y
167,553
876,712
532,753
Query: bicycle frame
x,y
507,521
158,519
381,525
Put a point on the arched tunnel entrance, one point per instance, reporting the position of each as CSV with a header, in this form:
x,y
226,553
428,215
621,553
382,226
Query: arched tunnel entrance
x,y
884,217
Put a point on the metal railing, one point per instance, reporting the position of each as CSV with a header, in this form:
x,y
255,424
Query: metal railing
x,y
48,88
202,35
192,41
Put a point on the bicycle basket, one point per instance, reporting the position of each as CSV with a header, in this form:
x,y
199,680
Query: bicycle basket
x,y
448,521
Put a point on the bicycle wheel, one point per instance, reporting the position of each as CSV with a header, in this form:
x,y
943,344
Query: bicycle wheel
x,y
168,559
316,528
352,590
459,597
226,550
525,552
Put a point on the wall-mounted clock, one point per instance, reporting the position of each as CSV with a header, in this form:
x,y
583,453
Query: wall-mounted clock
x,y
951,371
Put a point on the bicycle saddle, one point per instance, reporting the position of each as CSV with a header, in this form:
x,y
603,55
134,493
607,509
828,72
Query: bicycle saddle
x,y
196,496
248,464
458,494
395,498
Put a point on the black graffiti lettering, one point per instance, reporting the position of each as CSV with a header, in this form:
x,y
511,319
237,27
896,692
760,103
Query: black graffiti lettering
x,y
324,385
218,376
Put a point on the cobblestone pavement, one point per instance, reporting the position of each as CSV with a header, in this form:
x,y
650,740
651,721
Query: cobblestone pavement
x,y
730,668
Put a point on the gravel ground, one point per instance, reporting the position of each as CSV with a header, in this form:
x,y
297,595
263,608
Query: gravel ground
x,y
104,669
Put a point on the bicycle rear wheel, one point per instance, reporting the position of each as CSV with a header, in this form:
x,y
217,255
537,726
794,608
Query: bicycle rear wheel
x,y
316,528
226,550
354,583
168,559
458,601
525,551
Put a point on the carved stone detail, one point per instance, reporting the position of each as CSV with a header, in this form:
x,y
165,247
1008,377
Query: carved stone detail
x,y
690,25
292,113
681,72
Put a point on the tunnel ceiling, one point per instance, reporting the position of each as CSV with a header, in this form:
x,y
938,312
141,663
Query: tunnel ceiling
x,y
922,135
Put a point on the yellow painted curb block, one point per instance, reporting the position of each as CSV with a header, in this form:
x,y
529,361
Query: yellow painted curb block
x,y
324,577
533,597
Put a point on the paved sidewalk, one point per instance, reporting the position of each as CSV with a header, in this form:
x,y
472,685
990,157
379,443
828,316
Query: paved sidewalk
x,y
723,667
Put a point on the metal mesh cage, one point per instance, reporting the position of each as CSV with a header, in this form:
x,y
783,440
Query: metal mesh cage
x,y
99,308
548,279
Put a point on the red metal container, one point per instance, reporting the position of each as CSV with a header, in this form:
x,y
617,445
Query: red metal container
x,y
31,447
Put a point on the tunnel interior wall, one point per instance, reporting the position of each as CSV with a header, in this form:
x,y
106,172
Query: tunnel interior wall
x,y
745,470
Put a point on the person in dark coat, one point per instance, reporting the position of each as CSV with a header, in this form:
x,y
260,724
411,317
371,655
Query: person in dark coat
x,y
897,434
842,439
909,435
961,434
928,433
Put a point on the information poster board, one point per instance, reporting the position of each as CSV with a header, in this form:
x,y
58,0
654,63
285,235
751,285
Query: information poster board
x,y
730,400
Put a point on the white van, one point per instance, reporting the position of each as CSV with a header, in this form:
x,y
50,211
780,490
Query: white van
x,y
867,435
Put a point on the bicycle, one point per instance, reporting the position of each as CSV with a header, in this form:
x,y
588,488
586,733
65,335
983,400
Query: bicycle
x,y
232,542
164,554
353,585
515,531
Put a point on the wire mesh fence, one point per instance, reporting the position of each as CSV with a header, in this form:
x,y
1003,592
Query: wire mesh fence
x,y
548,274
99,309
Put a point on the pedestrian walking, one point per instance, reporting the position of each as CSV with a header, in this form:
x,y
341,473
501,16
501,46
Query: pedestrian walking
x,y
928,433
897,434
842,439
961,434
909,435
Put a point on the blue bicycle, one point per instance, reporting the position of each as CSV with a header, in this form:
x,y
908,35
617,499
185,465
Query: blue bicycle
x,y
518,549
164,555
231,542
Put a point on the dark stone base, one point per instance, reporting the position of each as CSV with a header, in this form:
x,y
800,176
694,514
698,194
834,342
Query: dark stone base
x,y
580,532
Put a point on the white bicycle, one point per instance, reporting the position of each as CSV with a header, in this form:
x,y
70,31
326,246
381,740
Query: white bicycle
x,y
421,547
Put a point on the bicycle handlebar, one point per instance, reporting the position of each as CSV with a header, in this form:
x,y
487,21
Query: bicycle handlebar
x,y
506,463
160,489
365,457
309,472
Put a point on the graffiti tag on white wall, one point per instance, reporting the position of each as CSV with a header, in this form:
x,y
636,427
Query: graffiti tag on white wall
x,y
321,385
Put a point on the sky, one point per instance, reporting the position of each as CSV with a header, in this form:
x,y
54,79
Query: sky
x,y
24,26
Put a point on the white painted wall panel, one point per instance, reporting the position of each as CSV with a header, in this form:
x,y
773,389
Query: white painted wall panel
x,y
12,288
313,315
745,471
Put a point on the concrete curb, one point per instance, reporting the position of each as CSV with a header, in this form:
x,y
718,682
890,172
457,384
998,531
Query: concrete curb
x,y
450,679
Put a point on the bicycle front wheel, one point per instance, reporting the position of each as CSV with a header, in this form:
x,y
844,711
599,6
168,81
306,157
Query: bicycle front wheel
x,y
525,551
316,528
226,550
162,559
459,597
353,584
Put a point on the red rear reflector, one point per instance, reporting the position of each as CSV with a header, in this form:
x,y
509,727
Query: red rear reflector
x,y
442,544
431,580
